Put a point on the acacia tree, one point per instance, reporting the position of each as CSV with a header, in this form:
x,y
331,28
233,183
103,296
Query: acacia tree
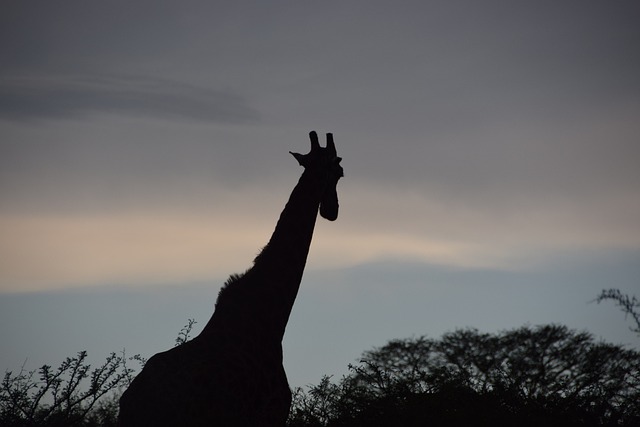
x,y
546,375
72,394
63,396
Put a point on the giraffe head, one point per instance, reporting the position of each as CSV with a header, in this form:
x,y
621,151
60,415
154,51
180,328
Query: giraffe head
x,y
324,163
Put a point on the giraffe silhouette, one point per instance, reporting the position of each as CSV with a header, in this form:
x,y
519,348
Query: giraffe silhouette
x,y
231,374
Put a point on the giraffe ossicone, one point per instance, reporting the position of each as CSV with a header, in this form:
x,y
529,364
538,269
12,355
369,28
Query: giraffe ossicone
x,y
232,374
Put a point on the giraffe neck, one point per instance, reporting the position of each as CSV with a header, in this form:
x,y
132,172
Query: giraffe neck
x,y
260,302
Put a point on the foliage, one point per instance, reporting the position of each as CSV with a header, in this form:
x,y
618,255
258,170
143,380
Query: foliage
x,y
629,304
185,333
72,394
65,396
547,375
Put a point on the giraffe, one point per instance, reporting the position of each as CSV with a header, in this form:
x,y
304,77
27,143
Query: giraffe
x,y
231,374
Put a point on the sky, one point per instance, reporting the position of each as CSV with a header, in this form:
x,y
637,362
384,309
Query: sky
x,y
490,153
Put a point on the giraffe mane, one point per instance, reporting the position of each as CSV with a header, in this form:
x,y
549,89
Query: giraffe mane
x,y
229,285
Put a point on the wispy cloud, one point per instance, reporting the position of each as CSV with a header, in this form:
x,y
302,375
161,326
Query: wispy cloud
x,y
165,244
53,251
72,96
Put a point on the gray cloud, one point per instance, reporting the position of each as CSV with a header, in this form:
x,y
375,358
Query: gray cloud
x,y
40,97
72,34
483,105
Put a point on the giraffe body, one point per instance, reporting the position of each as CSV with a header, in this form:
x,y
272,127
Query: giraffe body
x,y
231,374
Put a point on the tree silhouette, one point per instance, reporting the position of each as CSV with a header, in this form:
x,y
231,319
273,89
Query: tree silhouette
x,y
72,394
546,375
64,396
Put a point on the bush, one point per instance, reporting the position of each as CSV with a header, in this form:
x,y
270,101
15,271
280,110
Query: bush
x,y
69,395
72,394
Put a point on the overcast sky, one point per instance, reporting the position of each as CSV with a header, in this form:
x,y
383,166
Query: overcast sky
x,y
490,150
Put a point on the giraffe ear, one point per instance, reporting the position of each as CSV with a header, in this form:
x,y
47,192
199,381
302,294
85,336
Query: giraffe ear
x,y
299,157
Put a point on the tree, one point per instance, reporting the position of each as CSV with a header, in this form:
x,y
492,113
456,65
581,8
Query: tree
x,y
546,375
72,394
64,396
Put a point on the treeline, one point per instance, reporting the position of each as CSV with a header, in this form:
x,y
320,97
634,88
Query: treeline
x,y
531,376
